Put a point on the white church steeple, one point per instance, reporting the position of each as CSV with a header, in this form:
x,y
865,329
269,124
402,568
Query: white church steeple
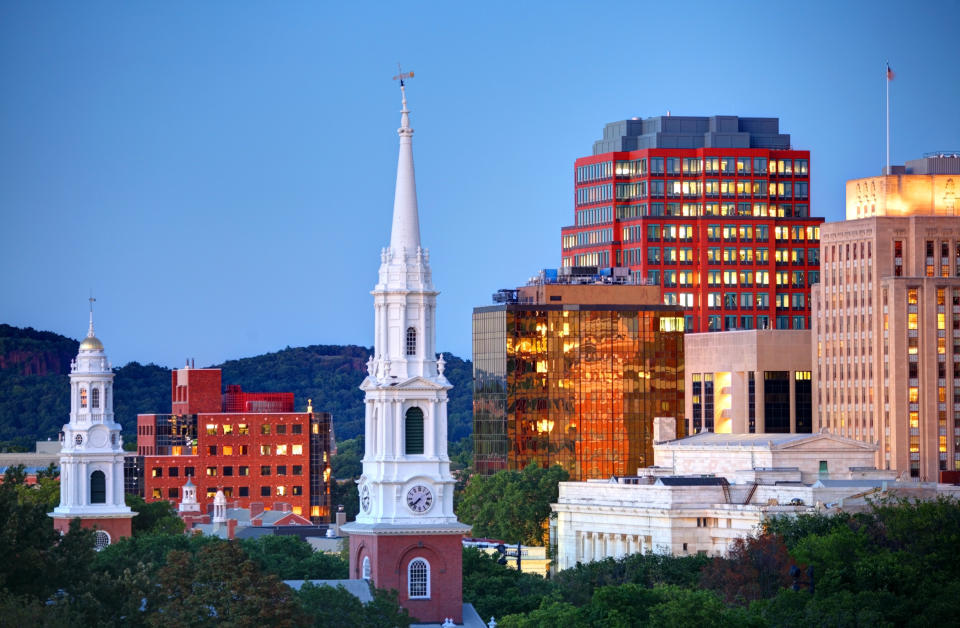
x,y
406,535
406,468
404,295
91,454
405,233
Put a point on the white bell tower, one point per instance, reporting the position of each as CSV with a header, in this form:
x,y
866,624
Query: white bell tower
x,y
406,535
91,454
406,471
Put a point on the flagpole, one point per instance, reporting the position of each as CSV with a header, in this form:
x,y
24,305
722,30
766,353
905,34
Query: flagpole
x,y
886,79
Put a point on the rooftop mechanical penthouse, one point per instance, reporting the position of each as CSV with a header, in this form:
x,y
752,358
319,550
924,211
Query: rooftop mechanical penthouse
x,y
714,210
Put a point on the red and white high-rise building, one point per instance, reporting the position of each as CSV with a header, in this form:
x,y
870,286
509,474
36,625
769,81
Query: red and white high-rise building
x,y
714,210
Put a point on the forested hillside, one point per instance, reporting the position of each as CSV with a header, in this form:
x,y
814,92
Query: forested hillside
x,y
34,385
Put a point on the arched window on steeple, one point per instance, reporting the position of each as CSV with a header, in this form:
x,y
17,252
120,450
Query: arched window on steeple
x,y
411,341
98,488
95,398
366,568
413,428
83,397
418,579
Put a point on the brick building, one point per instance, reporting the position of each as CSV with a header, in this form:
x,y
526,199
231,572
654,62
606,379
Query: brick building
x,y
252,446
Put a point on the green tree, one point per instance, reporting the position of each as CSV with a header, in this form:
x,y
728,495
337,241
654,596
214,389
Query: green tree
x,y
335,606
577,584
149,550
510,505
157,517
291,558
347,463
496,590
686,607
220,585
330,606
34,559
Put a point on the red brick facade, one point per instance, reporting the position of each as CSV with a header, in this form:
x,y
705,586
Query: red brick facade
x,y
116,527
195,390
253,457
390,556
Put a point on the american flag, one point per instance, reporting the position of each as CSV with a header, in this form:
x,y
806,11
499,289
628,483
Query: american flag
x,y
889,73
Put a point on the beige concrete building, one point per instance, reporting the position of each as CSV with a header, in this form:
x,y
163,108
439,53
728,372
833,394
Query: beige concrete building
x,y
886,319
746,382
709,489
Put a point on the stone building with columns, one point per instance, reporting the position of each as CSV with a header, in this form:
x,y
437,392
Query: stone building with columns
x,y
709,489
748,382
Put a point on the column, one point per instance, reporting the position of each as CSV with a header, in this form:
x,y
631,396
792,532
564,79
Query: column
x,y
118,492
423,344
759,398
430,435
395,425
108,484
83,484
793,401
368,428
441,442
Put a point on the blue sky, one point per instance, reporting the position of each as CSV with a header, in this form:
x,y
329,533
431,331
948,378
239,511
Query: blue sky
x,y
221,174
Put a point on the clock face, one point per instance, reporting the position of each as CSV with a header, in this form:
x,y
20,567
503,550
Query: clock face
x,y
365,498
419,499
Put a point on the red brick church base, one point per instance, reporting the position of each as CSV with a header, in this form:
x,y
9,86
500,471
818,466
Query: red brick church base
x,y
116,527
391,554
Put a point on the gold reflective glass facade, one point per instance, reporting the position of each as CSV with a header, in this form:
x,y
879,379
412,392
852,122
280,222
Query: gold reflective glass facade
x,y
578,387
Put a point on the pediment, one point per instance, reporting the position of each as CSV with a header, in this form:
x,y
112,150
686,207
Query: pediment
x,y
412,383
419,383
827,442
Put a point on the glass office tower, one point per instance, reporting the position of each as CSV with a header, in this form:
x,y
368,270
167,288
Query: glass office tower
x,y
574,385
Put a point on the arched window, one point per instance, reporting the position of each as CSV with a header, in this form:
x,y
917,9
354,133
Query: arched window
x,y
418,579
411,341
414,431
366,568
83,397
101,539
98,488
95,398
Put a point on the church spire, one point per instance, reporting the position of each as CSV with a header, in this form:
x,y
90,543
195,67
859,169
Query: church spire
x,y
405,233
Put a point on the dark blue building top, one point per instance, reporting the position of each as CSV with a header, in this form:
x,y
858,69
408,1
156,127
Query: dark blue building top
x,y
692,132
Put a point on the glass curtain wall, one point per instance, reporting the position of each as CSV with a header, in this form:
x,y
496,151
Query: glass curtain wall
x,y
578,388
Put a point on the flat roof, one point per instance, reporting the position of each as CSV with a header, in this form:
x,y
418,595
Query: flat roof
x,y
573,307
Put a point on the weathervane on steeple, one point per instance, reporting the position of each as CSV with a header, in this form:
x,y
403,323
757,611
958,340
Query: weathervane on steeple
x,y
402,75
404,113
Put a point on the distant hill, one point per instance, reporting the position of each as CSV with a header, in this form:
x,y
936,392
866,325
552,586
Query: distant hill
x,y
31,352
34,384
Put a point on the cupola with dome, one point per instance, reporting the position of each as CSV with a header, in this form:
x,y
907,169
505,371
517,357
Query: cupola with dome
x,y
91,454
